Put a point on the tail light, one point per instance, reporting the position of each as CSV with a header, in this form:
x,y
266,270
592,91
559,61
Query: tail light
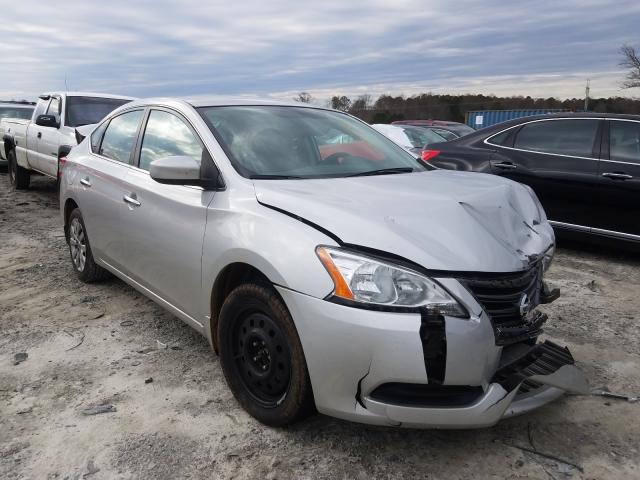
x,y
61,162
427,155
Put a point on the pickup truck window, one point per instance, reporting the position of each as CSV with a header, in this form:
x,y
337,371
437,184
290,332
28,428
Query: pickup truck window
x,y
13,112
89,110
120,136
41,108
54,106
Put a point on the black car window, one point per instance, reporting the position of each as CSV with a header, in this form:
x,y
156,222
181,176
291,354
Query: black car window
x,y
166,135
624,141
573,137
88,110
501,138
120,136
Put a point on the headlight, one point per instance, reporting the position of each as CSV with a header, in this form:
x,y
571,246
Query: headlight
x,y
369,281
548,257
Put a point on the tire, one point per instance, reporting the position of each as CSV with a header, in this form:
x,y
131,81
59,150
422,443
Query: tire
x,y
262,358
80,250
18,176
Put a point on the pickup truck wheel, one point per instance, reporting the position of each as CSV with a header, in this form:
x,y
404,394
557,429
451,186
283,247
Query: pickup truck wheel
x,y
81,257
261,356
18,176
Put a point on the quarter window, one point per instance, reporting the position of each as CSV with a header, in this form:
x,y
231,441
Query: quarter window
x,y
624,141
54,107
166,136
41,108
120,136
564,137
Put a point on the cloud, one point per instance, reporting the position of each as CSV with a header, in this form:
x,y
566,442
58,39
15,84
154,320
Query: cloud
x,y
151,48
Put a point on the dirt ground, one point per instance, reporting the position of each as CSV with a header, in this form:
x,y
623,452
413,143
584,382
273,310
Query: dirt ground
x,y
93,345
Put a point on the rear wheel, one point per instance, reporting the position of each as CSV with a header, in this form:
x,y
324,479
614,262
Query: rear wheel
x,y
18,176
81,257
261,356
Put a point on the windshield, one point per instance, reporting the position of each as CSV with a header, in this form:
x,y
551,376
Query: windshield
x,y
299,142
89,110
15,112
419,137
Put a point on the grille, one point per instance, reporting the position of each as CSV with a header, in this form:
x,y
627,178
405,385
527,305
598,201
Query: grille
x,y
501,297
541,359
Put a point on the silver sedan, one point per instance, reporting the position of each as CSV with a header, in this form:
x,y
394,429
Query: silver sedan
x,y
326,266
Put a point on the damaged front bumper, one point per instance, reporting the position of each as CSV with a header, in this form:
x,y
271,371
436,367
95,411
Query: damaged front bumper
x,y
374,367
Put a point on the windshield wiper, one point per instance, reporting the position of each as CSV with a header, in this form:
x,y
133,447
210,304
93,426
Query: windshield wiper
x,y
273,177
382,171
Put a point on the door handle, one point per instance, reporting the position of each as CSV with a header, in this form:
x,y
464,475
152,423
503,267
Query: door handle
x,y
85,181
39,135
617,176
131,201
505,165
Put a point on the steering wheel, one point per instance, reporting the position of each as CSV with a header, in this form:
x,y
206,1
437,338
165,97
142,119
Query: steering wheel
x,y
336,158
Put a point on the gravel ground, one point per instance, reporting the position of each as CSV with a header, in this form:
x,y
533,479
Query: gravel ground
x,y
91,345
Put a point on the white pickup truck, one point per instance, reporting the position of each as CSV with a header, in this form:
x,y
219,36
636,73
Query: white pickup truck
x,y
39,145
23,110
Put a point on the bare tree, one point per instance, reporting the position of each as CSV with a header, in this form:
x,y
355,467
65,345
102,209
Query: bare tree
x,y
631,60
341,103
304,97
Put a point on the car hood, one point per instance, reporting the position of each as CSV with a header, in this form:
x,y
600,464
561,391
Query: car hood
x,y
441,220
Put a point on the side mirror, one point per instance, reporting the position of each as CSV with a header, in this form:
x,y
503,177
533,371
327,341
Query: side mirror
x,y
47,121
181,170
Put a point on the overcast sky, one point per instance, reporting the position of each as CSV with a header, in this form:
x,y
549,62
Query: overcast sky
x,y
350,47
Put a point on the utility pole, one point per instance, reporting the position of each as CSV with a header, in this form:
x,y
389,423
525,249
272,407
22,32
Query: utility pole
x,y
586,96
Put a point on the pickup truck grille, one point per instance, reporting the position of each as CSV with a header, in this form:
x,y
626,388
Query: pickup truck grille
x,y
502,296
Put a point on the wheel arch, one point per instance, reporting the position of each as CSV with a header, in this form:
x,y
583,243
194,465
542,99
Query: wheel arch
x,y
230,277
69,206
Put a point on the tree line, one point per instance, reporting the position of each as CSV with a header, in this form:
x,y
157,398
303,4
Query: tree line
x,y
387,108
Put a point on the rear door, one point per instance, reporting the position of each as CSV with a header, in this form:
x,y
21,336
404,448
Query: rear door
x,y
619,177
102,186
48,141
164,225
558,158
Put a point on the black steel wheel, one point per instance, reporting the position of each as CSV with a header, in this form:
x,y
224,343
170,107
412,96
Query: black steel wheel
x,y
261,356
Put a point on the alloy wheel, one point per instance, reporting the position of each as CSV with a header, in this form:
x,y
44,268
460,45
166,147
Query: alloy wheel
x,y
78,244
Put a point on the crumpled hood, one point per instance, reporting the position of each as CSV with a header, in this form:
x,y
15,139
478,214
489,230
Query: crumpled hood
x,y
441,220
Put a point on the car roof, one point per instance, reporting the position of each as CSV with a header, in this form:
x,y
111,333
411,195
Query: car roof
x,y
517,121
243,101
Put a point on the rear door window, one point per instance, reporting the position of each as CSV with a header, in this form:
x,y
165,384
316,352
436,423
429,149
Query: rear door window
x,y
573,137
624,141
120,136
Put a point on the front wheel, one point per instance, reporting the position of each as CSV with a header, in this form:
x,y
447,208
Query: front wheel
x,y
18,177
261,356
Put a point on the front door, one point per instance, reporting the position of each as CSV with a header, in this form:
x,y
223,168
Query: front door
x,y
558,159
48,141
619,177
165,224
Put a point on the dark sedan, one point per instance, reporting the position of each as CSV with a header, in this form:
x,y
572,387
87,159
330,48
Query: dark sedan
x,y
585,168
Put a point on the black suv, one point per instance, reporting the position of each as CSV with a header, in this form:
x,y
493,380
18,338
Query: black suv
x,y
584,167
